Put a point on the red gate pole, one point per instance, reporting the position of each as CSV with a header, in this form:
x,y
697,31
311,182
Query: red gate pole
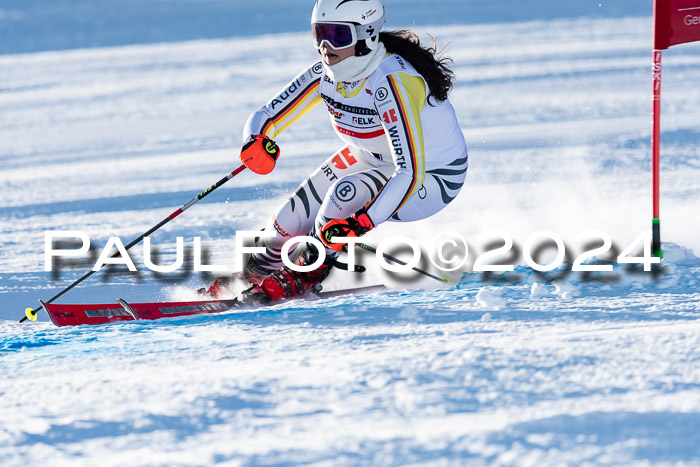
x,y
655,150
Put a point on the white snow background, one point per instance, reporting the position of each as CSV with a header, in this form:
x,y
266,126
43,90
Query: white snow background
x,y
526,369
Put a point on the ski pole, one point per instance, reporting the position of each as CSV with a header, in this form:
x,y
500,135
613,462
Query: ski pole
x,y
371,249
30,313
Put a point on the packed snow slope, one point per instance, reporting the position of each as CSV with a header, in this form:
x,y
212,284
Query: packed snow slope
x,y
519,368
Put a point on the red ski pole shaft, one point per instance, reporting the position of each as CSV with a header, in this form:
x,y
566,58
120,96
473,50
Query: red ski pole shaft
x,y
138,239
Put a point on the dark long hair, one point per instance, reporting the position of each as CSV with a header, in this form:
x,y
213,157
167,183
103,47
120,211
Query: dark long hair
x,y
428,61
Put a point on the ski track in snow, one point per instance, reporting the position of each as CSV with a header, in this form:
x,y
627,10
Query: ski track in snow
x,y
524,370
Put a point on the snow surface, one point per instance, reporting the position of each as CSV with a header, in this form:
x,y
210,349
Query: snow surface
x,y
517,368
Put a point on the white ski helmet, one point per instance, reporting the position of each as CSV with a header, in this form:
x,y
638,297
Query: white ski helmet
x,y
347,23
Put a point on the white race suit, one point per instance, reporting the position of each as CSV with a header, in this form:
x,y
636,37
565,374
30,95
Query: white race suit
x,y
404,155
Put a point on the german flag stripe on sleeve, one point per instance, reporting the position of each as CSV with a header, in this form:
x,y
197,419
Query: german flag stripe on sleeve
x,y
290,113
409,117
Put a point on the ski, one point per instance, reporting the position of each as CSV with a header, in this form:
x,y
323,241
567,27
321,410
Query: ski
x,y
104,313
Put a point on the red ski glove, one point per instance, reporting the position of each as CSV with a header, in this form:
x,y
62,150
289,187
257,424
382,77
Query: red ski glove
x,y
260,154
354,226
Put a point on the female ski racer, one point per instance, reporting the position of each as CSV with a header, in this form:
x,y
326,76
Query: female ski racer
x,y
403,156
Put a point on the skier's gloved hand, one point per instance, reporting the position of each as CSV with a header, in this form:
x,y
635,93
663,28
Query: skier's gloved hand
x,y
354,226
260,154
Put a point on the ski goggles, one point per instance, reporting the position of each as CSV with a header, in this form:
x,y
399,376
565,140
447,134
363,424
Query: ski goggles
x,y
337,35
344,35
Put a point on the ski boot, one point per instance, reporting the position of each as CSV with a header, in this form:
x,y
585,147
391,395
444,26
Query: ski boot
x,y
251,275
287,283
